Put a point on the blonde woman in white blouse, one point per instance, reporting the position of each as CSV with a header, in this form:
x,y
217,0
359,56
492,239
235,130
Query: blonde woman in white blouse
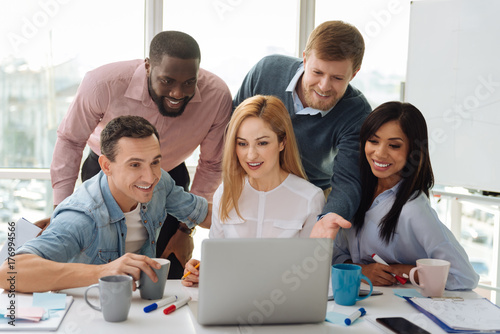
x,y
264,193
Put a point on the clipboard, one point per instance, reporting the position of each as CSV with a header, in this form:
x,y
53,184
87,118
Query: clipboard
x,y
443,325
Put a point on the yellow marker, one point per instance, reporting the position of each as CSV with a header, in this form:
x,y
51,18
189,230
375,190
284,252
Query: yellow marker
x,y
189,273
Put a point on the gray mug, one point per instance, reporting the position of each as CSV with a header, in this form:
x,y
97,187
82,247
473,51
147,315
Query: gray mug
x,y
149,289
115,294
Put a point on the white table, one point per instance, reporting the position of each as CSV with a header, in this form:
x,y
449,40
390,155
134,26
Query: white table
x,y
82,319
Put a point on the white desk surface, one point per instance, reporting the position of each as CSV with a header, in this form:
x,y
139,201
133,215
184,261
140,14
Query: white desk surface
x,y
82,319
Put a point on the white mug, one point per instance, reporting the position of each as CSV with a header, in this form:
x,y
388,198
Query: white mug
x,y
432,275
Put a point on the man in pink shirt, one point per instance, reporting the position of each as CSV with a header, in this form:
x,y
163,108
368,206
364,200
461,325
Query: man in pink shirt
x,y
188,105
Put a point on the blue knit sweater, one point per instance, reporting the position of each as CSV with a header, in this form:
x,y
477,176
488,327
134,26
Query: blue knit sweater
x,y
329,145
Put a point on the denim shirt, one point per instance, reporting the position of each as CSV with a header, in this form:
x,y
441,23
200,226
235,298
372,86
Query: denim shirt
x,y
89,226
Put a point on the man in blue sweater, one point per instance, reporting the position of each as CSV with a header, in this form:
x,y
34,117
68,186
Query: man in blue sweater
x,y
326,111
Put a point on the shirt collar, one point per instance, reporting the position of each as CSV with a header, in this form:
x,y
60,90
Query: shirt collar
x,y
387,194
115,213
297,104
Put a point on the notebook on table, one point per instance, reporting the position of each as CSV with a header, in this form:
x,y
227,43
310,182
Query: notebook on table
x,y
263,281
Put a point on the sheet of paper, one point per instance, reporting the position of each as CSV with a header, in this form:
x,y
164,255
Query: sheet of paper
x,y
24,231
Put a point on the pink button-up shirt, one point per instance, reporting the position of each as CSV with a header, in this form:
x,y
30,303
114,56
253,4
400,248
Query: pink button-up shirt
x,y
121,88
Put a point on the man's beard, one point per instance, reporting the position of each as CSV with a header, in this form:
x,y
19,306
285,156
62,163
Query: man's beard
x,y
165,112
319,105
161,107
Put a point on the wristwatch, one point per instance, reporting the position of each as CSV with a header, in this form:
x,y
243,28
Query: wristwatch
x,y
187,230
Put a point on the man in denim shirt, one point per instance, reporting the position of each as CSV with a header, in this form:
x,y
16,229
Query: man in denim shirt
x,y
110,224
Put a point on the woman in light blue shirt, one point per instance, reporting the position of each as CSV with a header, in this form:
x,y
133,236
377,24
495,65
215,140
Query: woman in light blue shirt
x,y
395,219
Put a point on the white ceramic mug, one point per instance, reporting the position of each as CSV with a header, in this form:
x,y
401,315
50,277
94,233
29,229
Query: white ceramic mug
x,y
432,275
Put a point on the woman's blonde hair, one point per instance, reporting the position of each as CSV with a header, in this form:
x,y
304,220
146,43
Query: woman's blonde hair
x,y
273,112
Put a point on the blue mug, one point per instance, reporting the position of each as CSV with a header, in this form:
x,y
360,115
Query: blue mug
x,y
346,280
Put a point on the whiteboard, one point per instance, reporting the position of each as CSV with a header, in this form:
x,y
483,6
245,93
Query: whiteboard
x,y
453,78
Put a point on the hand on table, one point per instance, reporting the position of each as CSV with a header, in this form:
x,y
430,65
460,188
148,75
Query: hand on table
x,y
194,277
329,226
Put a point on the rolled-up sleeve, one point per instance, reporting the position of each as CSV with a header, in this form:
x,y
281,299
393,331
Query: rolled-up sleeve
x,y
186,207
63,239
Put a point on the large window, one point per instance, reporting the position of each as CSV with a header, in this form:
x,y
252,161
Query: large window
x,y
234,35
46,47
384,26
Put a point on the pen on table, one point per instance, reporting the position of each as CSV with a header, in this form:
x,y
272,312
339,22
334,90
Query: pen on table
x,y
380,260
176,305
189,273
359,313
160,303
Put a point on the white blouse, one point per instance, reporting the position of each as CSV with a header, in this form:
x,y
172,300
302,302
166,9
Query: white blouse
x,y
287,211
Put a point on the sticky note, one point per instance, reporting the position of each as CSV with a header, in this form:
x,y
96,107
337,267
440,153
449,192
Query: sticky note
x,y
30,313
49,301
336,318
407,293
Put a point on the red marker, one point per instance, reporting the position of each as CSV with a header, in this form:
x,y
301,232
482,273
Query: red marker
x,y
174,306
379,260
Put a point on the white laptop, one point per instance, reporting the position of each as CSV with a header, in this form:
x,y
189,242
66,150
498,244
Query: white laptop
x,y
263,281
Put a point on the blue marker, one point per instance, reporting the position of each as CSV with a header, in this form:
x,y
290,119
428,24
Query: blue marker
x,y
160,303
359,313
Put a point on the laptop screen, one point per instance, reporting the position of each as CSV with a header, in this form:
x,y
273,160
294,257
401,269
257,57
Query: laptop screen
x,y
264,281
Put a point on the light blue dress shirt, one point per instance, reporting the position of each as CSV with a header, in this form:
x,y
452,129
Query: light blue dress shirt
x,y
419,234
89,226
